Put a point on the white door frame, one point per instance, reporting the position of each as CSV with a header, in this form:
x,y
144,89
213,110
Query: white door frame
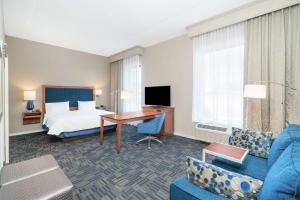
x,y
6,110
5,114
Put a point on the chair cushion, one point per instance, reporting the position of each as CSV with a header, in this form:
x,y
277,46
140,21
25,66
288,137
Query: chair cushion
x,y
257,142
182,189
152,126
227,162
283,179
252,166
289,134
222,182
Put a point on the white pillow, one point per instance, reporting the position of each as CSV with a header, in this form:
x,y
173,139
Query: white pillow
x,y
86,105
59,107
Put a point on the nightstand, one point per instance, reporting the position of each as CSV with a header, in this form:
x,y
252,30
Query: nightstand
x,y
31,117
101,108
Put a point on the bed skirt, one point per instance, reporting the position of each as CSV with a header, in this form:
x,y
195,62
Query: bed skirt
x,y
82,132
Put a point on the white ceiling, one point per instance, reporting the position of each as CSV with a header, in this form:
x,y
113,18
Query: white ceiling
x,y
106,27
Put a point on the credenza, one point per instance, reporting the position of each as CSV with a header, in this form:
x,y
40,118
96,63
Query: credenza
x,y
168,126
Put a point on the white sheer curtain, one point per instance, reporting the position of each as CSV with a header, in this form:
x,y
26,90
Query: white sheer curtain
x,y
218,63
131,84
115,85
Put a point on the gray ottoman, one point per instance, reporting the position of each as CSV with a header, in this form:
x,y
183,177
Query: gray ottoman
x,y
26,169
52,185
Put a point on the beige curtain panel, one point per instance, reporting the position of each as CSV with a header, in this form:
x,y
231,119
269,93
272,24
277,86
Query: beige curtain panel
x,y
272,54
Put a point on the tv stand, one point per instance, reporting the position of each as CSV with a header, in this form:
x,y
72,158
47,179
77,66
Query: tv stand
x,y
156,106
168,126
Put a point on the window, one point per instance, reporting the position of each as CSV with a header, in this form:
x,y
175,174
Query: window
x,y
131,84
218,77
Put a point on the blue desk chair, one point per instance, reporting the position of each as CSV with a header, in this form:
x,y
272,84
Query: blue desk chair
x,y
149,128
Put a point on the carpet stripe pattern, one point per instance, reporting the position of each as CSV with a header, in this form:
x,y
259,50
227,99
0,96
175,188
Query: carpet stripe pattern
x,y
98,172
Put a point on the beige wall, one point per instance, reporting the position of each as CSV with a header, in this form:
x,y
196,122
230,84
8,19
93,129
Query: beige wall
x,y
170,63
137,50
33,64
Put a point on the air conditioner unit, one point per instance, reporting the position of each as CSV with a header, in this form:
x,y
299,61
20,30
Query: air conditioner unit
x,y
209,133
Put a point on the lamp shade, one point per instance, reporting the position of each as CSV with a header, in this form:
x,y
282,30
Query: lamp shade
x,y
98,92
29,95
125,95
255,91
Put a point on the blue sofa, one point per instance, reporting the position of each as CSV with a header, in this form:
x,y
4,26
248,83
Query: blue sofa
x,y
280,172
257,167
252,166
182,189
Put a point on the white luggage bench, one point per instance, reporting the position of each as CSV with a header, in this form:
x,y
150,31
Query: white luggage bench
x,y
35,179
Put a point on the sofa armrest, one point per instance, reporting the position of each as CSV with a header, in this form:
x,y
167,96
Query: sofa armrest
x,y
183,189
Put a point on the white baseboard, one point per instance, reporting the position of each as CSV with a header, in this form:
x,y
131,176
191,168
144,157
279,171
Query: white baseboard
x,y
26,132
186,136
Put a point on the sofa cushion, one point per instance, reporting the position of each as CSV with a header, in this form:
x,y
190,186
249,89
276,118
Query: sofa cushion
x,y
227,162
257,142
283,179
52,185
252,166
222,182
182,189
18,171
289,135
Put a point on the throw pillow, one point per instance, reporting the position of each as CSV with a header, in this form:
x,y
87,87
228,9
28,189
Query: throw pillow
x,y
258,142
222,182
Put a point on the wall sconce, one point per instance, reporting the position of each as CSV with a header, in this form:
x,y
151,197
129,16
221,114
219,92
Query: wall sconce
x,y
98,92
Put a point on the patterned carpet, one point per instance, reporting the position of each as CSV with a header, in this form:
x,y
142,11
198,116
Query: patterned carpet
x,y
97,172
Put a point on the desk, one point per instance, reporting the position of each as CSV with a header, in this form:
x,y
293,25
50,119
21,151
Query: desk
x,y
121,118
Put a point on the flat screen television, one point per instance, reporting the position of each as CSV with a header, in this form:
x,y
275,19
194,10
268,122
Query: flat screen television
x,y
158,96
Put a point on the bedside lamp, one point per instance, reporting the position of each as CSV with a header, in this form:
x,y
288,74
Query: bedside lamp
x,y
29,96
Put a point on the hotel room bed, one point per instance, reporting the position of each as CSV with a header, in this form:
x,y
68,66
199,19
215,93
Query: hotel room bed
x,y
72,121
76,123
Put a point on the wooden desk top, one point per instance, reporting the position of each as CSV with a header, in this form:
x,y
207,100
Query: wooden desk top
x,y
131,115
225,150
121,118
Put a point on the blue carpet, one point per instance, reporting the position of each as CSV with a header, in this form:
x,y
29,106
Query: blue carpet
x,y
97,172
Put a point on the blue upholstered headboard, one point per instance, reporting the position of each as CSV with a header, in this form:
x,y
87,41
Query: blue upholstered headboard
x,y
72,94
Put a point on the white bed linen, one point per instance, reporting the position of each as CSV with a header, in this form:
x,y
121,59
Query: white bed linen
x,y
57,107
86,105
74,121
